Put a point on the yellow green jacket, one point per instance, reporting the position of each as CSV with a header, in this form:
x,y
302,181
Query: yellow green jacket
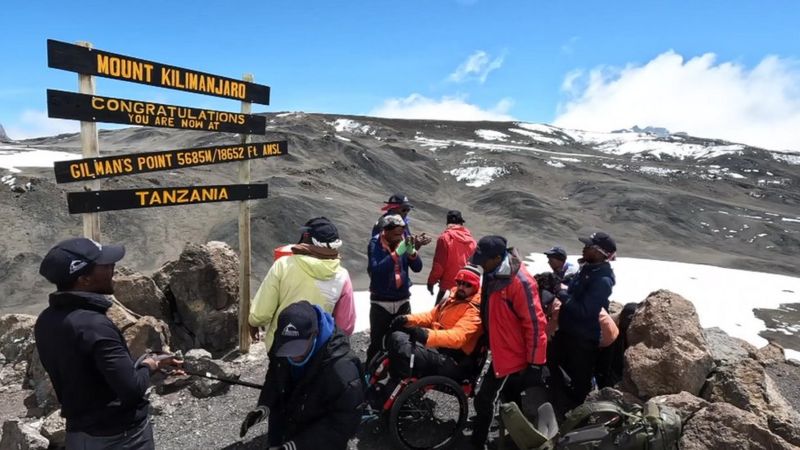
x,y
322,282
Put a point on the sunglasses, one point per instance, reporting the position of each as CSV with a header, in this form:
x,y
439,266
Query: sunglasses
x,y
465,284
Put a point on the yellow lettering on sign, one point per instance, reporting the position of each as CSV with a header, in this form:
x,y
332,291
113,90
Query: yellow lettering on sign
x,y
124,68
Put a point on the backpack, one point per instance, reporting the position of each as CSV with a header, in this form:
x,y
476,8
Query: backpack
x,y
600,425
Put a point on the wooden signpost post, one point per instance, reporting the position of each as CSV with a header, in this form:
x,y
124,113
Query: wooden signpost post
x,y
90,108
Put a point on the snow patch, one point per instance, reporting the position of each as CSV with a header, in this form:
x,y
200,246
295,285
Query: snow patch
x,y
538,137
491,135
342,138
556,164
625,143
352,127
566,159
658,171
477,176
619,167
13,157
538,127
786,219
788,158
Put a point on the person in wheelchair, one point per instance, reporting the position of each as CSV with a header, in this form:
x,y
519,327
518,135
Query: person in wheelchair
x,y
442,340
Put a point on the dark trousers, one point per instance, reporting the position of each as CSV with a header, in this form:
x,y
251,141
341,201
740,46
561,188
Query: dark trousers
x,y
507,389
427,361
379,321
276,428
440,295
577,358
137,438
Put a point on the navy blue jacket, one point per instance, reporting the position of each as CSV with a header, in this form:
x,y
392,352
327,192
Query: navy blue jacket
x,y
85,354
382,285
581,302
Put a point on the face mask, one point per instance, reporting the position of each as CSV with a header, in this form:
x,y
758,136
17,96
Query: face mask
x,y
308,357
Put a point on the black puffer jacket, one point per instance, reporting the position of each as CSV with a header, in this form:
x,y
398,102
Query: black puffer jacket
x,y
100,391
322,408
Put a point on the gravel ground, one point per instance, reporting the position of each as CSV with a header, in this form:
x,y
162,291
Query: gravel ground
x,y
787,378
188,422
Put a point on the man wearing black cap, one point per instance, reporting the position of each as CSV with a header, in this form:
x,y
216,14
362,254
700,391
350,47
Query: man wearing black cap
x,y
453,248
100,387
313,272
513,320
557,260
397,205
575,346
314,386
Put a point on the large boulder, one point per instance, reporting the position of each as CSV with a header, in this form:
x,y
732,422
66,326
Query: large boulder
x,y
685,403
726,349
54,429
17,344
204,284
742,384
668,352
121,316
722,426
148,333
771,353
16,338
43,400
199,361
20,436
140,294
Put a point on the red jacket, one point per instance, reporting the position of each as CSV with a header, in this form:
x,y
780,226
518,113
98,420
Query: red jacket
x,y
513,318
453,248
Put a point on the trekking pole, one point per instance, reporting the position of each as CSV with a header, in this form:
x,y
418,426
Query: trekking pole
x,y
224,380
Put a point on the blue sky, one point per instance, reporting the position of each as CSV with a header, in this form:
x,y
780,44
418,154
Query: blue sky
x,y
712,68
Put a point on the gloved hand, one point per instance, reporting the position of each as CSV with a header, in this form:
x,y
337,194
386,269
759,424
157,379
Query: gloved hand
x,y
402,247
398,322
535,376
418,334
430,288
253,417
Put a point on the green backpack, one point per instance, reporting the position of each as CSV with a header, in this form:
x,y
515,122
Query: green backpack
x,y
598,425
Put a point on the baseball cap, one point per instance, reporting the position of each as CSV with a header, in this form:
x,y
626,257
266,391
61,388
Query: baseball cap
x,y
71,258
557,252
454,216
321,230
399,199
602,240
297,326
488,248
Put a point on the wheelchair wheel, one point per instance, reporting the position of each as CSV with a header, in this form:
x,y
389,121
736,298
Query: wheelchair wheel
x,y
429,414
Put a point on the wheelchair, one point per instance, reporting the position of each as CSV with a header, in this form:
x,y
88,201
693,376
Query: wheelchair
x,y
427,412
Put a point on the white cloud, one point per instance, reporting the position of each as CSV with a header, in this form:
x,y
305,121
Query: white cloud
x,y
726,100
33,123
417,106
477,66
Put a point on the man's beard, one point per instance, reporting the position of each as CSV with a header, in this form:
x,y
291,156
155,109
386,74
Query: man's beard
x,y
461,295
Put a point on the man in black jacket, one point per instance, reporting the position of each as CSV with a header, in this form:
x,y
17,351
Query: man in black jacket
x,y
575,346
314,385
100,388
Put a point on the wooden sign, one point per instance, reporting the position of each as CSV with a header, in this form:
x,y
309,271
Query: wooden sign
x,y
94,108
129,164
97,201
87,61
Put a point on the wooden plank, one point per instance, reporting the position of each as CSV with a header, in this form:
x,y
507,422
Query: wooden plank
x,y
244,242
85,60
135,163
95,108
98,201
90,147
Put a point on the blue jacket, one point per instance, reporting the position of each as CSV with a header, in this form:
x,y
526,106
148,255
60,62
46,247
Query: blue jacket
x,y
581,302
382,285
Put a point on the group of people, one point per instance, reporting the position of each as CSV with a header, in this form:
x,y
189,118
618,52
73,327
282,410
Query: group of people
x,y
545,333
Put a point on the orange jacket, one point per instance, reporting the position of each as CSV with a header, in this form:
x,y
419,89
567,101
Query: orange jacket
x,y
452,324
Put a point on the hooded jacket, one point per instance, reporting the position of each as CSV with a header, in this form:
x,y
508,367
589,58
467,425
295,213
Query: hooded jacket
x,y
100,390
512,317
581,302
320,403
386,267
453,323
322,282
453,247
